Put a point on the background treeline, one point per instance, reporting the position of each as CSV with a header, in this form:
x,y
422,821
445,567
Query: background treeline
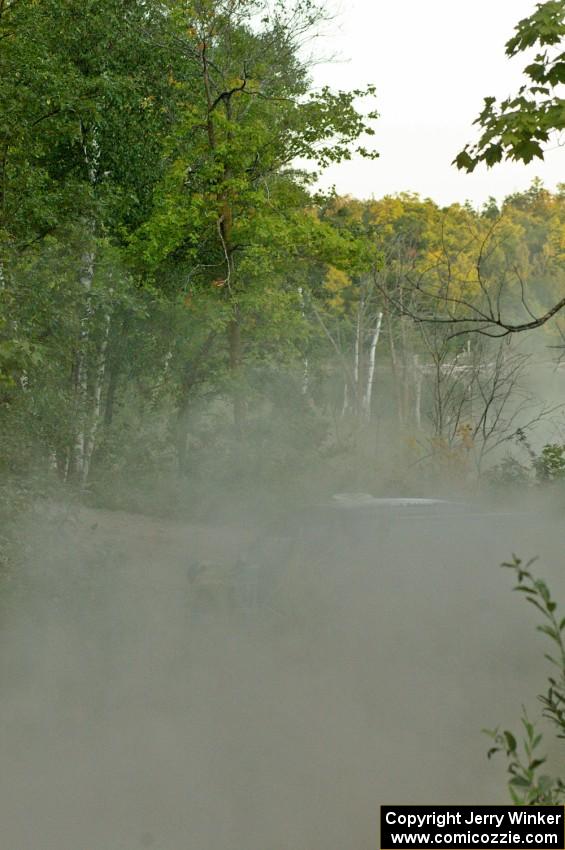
x,y
181,311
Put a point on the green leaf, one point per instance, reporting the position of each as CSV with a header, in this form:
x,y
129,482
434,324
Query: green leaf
x,y
520,782
511,744
465,162
549,631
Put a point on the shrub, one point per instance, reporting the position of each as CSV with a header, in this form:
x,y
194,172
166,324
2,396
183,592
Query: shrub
x,y
527,785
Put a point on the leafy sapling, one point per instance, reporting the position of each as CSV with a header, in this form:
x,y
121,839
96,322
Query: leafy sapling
x,y
527,786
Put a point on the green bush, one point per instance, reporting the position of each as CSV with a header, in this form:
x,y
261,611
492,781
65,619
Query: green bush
x,y
550,465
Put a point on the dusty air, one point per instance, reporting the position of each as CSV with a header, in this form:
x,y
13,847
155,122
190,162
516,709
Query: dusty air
x,y
282,449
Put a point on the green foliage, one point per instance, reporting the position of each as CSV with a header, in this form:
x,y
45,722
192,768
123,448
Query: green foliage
x,y
518,127
526,785
149,203
83,96
509,473
539,470
161,252
550,465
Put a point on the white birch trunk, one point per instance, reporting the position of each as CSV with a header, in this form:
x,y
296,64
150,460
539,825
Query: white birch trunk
x,y
81,385
345,405
96,403
79,463
368,395
305,377
164,376
418,378
306,369
357,355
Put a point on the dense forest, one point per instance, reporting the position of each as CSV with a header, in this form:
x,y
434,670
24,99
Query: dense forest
x,y
191,329
178,302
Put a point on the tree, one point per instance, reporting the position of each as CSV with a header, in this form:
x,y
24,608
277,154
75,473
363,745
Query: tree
x,y
517,127
232,204
84,106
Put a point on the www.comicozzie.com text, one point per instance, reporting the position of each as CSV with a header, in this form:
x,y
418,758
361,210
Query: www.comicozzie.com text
x,y
491,839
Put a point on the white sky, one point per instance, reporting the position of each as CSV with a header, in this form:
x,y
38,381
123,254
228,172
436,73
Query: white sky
x,y
432,61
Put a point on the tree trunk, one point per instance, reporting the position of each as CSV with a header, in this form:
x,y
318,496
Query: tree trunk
x,y
77,452
418,377
191,377
368,395
345,405
306,365
235,362
113,376
80,454
357,359
225,225
396,378
95,399
182,433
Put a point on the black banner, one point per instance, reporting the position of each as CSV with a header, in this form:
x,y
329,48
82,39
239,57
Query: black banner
x,y
472,827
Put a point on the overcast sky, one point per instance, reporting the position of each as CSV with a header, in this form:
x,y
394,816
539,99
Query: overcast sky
x,y
432,61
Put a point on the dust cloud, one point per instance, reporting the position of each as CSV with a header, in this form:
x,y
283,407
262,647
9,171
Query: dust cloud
x,y
144,705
